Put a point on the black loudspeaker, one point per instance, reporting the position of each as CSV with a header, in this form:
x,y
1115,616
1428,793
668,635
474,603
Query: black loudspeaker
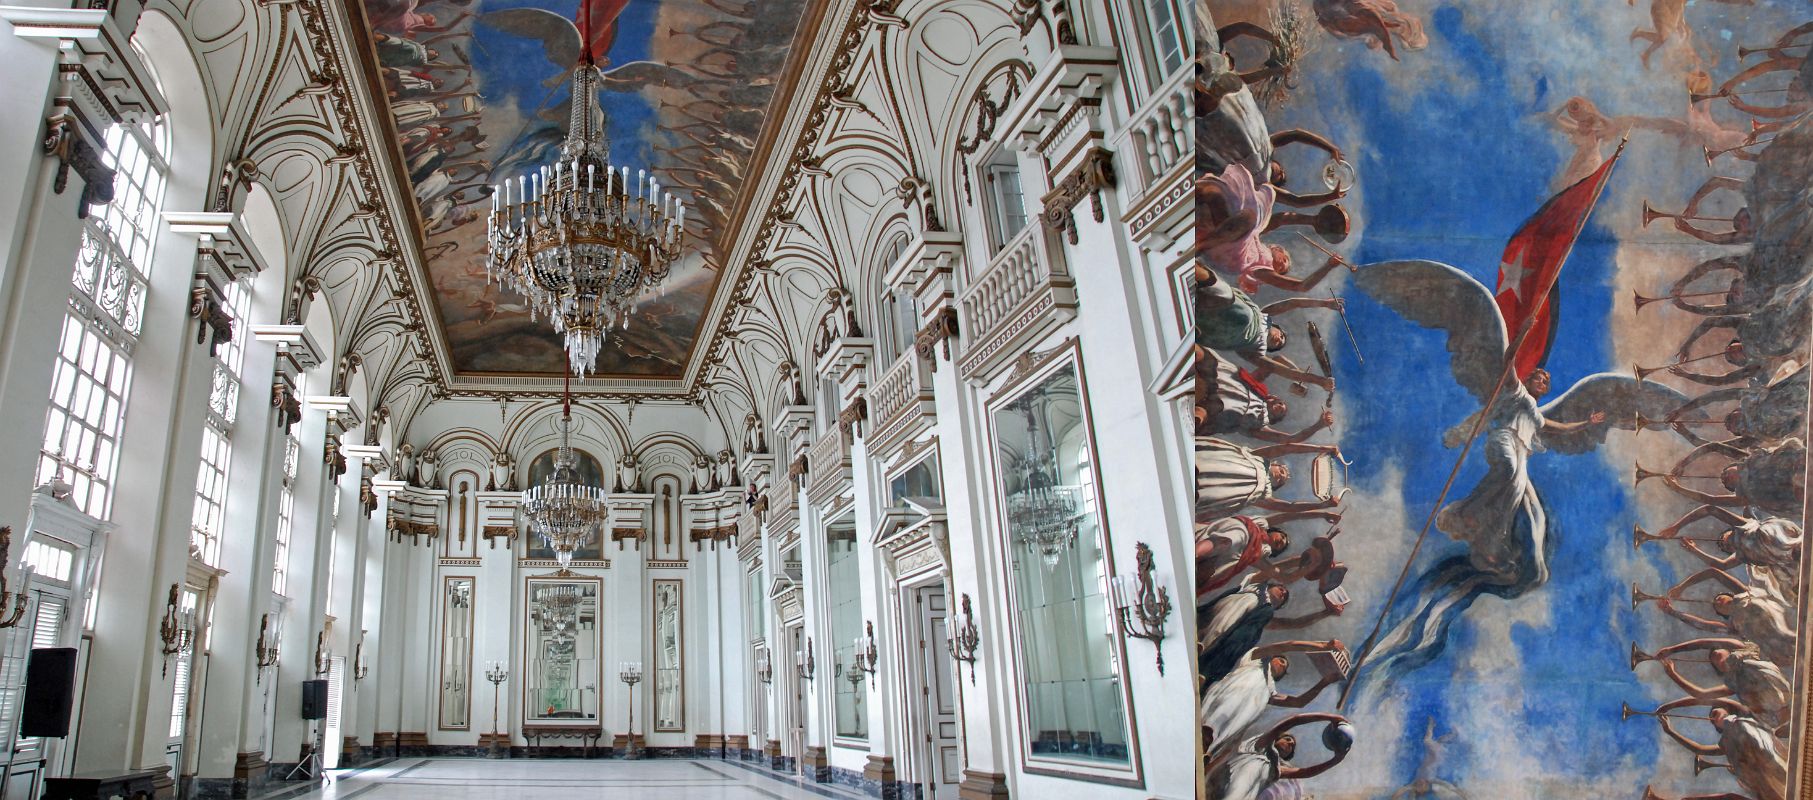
x,y
50,692
314,699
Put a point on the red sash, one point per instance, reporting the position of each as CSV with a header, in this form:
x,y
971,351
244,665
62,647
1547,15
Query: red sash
x,y
1250,555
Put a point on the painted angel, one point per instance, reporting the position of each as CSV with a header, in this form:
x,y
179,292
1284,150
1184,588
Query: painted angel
x,y
1503,520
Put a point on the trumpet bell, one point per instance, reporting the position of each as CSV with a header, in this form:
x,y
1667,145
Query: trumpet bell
x,y
1650,214
1624,714
1641,301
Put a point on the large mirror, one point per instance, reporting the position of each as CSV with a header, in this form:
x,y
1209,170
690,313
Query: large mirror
x,y
846,627
1069,666
456,653
560,651
670,696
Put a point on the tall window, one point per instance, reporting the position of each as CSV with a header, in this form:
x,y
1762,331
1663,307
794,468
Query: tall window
x,y
286,509
1166,37
106,307
217,434
1006,201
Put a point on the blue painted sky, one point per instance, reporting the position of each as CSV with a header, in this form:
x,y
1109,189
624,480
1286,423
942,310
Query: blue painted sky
x,y
515,66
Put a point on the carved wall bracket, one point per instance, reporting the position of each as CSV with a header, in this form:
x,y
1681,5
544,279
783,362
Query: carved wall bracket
x,y
1086,181
492,533
213,318
72,151
936,334
853,414
287,405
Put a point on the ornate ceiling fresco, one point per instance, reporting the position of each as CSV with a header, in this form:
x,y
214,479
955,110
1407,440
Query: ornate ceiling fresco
x,y
477,91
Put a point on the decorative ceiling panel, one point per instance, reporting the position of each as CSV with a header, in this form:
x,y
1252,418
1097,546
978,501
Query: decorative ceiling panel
x,y
477,92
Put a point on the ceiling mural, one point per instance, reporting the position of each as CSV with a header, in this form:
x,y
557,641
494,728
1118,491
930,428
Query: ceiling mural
x,y
478,92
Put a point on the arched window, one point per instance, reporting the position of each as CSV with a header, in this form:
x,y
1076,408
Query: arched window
x,y
899,310
93,369
217,434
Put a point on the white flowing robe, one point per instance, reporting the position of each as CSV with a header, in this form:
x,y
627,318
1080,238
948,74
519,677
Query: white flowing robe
x,y
1756,758
1245,774
1228,478
1235,702
1488,518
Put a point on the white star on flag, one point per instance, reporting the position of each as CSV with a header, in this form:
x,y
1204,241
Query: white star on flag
x,y
1511,275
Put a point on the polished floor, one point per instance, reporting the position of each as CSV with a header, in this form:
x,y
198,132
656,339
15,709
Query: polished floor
x,y
480,779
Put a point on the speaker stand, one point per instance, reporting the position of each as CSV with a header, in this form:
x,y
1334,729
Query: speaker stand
x,y
311,767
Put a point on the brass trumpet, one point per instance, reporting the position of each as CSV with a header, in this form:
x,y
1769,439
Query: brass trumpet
x,y
1645,422
1645,372
1629,712
1776,49
1700,764
1637,657
1641,537
1642,301
1650,214
1638,596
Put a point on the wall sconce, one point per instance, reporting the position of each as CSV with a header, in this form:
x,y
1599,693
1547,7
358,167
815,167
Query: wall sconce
x,y
965,638
177,630
764,666
323,659
866,656
14,600
803,660
1144,607
267,647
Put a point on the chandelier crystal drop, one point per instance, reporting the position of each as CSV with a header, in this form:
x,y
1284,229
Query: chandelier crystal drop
x,y
563,510
579,238
1043,512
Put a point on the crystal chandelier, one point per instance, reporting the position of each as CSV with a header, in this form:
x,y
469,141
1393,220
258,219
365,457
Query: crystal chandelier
x,y
578,238
1043,513
565,512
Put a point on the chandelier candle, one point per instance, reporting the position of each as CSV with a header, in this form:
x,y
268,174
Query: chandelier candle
x,y
583,254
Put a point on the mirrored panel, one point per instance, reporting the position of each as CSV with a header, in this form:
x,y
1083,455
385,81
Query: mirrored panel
x,y
850,689
456,653
670,696
1069,670
561,651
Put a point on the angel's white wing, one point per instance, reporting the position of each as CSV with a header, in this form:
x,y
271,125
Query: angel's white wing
x,y
1435,295
1621,397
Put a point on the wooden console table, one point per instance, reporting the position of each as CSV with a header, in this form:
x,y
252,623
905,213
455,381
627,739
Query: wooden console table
x,y
102,785
588,735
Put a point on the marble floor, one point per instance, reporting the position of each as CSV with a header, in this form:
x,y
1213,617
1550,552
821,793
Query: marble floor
x,y
551,779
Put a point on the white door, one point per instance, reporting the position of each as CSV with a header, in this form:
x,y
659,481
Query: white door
x,y
938,694
330,742
796,706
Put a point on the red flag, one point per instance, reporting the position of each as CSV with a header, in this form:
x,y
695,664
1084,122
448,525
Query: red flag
x,y
1532,263
598,27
